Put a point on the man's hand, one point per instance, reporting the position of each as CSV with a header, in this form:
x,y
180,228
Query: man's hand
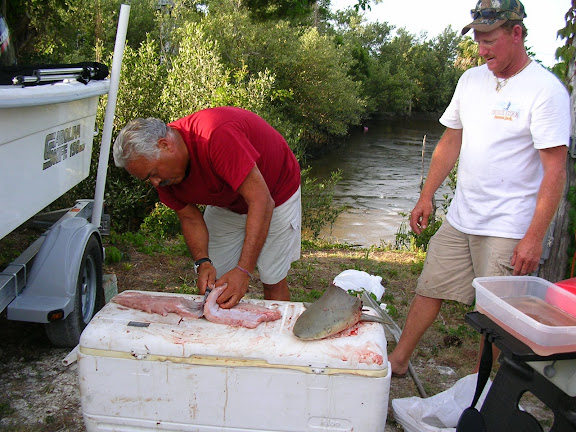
x,y
420,214
237,282
206,276
526,256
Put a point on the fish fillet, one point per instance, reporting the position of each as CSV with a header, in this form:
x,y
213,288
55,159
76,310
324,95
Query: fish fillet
x,y
242,315
162,305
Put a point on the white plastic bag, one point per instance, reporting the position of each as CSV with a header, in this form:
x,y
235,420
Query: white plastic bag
x,y
438,413
357,280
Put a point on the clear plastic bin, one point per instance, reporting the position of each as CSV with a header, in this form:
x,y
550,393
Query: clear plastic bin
x,y
537,312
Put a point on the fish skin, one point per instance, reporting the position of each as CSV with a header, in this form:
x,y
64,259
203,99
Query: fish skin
x,y
335,311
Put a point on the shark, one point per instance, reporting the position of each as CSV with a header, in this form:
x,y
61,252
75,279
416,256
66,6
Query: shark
x,y
334,311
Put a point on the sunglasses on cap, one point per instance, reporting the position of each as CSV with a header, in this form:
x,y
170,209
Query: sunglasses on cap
x,y
486,13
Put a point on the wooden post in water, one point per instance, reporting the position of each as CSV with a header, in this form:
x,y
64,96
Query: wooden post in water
x,y
422,163
433,215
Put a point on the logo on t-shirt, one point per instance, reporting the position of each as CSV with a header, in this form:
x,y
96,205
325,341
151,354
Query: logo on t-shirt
x,y
506,112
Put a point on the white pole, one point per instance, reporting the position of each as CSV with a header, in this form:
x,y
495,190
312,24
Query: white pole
x,y
109,115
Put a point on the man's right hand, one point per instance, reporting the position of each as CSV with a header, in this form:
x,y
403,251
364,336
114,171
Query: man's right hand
x,y
420,214
206,276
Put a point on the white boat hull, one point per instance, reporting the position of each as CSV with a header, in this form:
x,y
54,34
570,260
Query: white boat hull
x,y
46,136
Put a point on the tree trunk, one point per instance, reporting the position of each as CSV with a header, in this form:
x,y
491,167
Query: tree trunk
x,y
557,266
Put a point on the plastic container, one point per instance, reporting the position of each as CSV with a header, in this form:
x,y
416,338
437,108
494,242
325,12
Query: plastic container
x,y
537,312
148,372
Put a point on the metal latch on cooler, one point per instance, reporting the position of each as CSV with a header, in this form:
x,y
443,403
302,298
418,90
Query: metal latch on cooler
x,y
138,356
318,369
133,353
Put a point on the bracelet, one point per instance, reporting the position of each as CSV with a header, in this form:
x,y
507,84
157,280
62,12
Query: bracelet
x,y
243,270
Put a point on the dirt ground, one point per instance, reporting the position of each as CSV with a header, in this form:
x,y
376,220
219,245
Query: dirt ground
x,y
39,393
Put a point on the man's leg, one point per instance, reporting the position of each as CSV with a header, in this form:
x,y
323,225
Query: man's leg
x,y
447,275
281,249
491,257
423,311
277,291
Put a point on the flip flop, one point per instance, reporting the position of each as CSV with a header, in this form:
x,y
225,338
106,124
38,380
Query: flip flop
x,y
397,375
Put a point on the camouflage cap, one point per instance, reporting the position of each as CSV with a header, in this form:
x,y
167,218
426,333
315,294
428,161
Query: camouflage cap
x,y
491,14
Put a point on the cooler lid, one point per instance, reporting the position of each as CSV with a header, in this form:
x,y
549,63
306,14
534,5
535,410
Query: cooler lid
x,y
117,331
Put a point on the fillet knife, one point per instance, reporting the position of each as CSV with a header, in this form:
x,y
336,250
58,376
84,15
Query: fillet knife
x,y
206,294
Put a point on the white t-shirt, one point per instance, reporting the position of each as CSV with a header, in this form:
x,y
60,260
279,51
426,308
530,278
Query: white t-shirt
x,y
499,170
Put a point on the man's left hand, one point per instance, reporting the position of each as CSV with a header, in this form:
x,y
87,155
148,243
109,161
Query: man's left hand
x,y
526,256
237,287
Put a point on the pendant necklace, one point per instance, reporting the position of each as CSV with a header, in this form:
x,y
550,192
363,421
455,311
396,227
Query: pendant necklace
x,y
500,84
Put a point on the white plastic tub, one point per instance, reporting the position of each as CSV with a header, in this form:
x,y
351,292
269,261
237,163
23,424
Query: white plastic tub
x,y
542,303
46,135
146,372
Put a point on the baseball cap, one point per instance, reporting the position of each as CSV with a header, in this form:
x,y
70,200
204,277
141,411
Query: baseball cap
x,y
491,14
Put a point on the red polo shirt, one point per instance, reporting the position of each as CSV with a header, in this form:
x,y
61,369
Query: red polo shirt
x,y
224,144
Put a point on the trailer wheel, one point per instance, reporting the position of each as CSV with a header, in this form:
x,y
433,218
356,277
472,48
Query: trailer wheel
x,y
88,300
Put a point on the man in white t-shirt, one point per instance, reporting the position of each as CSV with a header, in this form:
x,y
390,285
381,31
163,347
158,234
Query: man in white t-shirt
x,y
508,126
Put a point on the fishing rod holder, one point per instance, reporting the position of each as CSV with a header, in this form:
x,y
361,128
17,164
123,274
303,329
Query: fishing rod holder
x,y
39,76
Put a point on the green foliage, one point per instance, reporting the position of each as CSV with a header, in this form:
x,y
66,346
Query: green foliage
x,y
113,255
312,88
280,9
66,31
565,53
149,244
305,296
143,80
407,239
6,409
468,56
162,222
309,76
320,244
198,79
317,202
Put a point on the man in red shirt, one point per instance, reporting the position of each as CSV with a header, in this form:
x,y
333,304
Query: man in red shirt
x,y
242,169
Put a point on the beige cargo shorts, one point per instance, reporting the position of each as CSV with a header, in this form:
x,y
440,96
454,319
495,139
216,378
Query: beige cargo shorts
x,y
282,247
454,259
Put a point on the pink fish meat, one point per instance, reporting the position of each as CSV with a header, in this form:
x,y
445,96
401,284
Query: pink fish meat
x,y
242,315
162,305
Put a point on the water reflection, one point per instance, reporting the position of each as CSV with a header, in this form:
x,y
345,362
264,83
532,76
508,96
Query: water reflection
x,y
381,174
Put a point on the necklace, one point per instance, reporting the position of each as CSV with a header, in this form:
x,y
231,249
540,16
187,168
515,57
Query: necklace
x,y
500,84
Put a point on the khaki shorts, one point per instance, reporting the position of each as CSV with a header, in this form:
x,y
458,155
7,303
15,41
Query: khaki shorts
x,y
454,259
282,247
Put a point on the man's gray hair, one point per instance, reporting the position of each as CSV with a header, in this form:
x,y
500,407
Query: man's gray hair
x,y
139,138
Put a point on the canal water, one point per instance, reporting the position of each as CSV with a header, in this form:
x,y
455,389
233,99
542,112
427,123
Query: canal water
x,y
381,174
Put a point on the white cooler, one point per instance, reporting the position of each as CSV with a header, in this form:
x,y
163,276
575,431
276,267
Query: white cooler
x,y
147,372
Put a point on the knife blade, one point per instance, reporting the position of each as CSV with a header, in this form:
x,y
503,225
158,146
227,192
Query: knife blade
x,y
206,294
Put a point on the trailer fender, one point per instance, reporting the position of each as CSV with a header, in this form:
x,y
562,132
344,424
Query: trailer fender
x,y
52,282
